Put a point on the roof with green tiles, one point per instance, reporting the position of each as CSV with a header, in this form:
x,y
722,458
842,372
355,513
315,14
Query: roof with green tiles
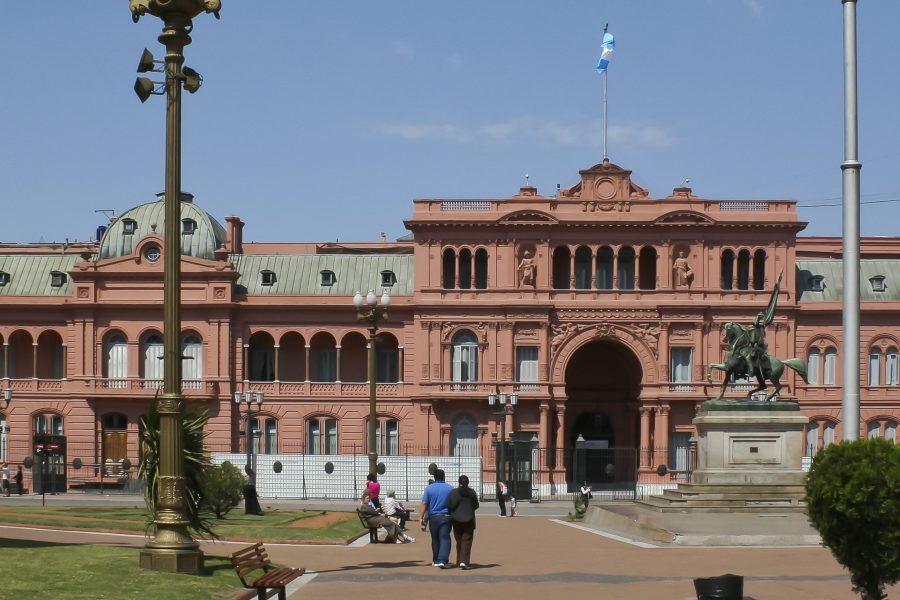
x,y
302,274
201,243
832,282
32,274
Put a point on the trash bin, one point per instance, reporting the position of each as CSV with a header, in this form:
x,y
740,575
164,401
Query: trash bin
x,y
723,587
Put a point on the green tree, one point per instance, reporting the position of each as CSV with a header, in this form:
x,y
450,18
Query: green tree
x,y
222,486
195,461
853,498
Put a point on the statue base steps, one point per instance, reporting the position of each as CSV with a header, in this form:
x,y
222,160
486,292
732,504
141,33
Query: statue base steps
x,y
748,460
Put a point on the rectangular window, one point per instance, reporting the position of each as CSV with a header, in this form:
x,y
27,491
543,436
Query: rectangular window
x,y
874,368
325,364
271,446
812,439
830,367
331,436
256,436
812,368
679,451
465,362
393,438
313,438
681,365
891,372
526,364
40,424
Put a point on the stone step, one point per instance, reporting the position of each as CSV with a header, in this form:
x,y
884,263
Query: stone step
x,y
658,505
731,496
718,488
704,501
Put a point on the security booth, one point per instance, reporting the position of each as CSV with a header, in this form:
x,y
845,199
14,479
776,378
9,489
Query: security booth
x,y
48,471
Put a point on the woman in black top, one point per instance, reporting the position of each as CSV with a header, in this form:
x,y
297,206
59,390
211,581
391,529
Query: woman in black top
x,y
463,502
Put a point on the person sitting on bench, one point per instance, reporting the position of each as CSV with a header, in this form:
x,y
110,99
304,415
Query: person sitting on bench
x,y
394,510
373,518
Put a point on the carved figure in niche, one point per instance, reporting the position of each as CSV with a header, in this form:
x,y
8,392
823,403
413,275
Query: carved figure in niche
x,y
684,275
527,270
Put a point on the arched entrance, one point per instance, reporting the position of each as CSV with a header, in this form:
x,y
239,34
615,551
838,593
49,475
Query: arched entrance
x,y
603,383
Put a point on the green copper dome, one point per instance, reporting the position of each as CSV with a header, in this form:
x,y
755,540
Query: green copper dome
x,y
200,233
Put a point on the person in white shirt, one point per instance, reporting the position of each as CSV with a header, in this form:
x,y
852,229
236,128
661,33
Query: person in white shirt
x,y
394,510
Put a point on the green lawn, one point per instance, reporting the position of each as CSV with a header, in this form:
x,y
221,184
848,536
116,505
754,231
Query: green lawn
x,y
288,525
40,569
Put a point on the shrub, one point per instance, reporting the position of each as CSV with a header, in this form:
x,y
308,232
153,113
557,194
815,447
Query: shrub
x,y
853,497
222,486
194,461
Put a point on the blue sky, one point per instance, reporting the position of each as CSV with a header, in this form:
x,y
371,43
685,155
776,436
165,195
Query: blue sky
x,y
320,121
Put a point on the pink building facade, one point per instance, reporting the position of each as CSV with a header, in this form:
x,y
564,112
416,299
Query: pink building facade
x,y
599,307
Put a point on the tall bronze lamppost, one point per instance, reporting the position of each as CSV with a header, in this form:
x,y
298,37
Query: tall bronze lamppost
x,y
171,548
506,405
368,311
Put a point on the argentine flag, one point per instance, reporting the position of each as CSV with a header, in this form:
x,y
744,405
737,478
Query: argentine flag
x,y
609,44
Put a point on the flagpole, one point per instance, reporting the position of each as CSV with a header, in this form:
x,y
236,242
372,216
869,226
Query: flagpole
x,y
605,120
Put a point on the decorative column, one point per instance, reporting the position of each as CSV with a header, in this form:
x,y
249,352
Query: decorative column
x,y
399,364
560,446
544,441
245,363
277,364
661,435
34,360
308,350
337,360
571,269
645,437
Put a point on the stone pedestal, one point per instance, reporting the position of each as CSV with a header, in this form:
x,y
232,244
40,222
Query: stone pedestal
x,y
749,443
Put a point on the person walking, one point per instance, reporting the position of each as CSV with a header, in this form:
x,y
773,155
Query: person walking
x,y
18,478
463,502
373,487
434,504
502,495
4,475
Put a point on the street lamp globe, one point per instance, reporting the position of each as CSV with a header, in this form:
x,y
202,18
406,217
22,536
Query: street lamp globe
x,y
358,300
385,298
371,299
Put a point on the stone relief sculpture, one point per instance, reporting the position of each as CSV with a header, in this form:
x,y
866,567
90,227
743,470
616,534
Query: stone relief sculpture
x,y
527,270
748,354
683,273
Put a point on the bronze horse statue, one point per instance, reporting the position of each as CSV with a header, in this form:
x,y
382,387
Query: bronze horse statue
x,y
746,358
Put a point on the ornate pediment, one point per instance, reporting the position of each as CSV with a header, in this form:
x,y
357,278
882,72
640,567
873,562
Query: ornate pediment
x,y
605,181
684,217
528,217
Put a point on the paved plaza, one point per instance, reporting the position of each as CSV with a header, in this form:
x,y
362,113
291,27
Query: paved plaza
x,y
536,555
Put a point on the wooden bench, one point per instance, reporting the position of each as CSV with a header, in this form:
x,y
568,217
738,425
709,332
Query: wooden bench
x,y
373,531
254,558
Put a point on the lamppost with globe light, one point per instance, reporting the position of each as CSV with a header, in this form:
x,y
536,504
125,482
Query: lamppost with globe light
x,y
506,405
369,311
251,502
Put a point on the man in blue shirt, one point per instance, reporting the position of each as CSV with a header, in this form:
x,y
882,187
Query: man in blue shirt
x,y
434,503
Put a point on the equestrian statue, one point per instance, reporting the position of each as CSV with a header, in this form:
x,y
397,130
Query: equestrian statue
x,y
748,355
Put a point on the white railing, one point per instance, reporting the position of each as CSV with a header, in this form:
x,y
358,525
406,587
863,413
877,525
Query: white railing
x,y
743,206
466,205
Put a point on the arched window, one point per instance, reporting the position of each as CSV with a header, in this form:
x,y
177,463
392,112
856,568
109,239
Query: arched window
x,y
830,377
759,270
323,357
465,357
727,270
873,430
464,437
449,269
322,436
812,366
562,263
892,367
116,360
388,445
583,268
265,435
50,356
387,359
465,269
192,359
647,268
743,278
875,366
626,268
890,431
261,357
152,354
48,424
481,269
605,268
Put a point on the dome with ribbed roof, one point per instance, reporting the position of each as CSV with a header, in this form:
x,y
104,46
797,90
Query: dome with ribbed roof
x,y
200,233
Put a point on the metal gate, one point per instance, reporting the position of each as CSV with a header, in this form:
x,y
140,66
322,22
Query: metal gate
x,y
604,469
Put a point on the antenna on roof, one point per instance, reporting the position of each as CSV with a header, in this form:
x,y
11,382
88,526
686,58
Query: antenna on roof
x,y
109,213
685,181
527,177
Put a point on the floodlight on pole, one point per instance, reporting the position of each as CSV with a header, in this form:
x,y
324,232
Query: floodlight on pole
x,y
192,79
148,64
144,87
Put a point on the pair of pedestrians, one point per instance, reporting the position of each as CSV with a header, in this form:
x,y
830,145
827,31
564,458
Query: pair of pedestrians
x,y
449,509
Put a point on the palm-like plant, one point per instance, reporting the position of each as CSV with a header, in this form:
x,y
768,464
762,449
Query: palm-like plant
x,y
195,461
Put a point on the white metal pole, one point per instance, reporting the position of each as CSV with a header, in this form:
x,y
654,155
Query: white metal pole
x,y
850,170
605,78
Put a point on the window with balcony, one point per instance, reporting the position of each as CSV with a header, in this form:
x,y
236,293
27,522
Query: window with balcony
x,y
465,357
526,365
681,366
